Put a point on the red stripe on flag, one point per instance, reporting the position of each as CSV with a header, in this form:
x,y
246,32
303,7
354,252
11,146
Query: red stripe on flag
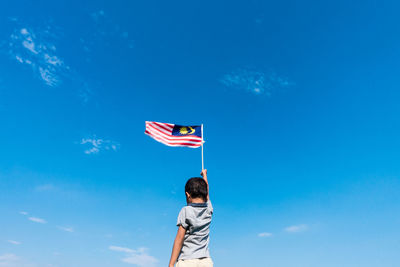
x,y
176,143
165,127
162,132
173,140
151,129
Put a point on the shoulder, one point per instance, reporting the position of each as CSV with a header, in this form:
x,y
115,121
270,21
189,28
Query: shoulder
x,y
185,211
185,208
183,217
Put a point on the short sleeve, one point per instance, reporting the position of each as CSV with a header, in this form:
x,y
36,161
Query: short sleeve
x,y
182,219
210,207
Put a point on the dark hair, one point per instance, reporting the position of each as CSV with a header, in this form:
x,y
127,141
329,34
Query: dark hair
x,y
197,187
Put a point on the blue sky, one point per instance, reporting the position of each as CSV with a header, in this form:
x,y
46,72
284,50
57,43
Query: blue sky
x,y
299,102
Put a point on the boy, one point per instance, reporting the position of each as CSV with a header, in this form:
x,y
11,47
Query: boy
x,y
191,243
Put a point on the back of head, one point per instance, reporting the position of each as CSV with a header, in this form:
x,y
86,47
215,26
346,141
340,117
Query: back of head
x,y
197,188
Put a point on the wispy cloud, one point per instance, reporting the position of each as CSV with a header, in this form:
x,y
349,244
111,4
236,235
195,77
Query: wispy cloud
x,y
23,213
12,260
36,47
122,249
13,242
296,228
138,257
37,220
255,81
265,234
66,229
36,50
95,145
8,259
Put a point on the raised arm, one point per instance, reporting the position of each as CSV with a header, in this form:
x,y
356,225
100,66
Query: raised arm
x,y
204,175
176,249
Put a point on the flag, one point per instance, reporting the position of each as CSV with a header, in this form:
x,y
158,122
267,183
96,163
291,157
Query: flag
x,y
173,134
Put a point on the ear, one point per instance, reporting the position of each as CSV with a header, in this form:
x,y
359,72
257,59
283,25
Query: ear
x,y
187,194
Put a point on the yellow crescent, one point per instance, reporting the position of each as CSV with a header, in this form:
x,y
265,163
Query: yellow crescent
x,y
192,130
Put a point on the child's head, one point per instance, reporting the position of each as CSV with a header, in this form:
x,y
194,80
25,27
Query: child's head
x,y
196,187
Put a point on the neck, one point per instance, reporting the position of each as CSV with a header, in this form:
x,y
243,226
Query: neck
x,y
197,200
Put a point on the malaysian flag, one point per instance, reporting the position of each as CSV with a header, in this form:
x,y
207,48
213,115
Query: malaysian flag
x,y
174,135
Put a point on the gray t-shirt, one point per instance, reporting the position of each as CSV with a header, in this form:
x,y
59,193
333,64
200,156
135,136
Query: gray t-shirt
x,y
196,219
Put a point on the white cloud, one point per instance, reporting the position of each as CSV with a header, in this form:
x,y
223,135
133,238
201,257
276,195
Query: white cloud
x,y
23,212
8,259
53,60
254,81
138,257
66,229
48,77
24,31
13,242
296,228
95,145
36,48
11,260
29,44
37,51
37,220
121,249
19,59
265,234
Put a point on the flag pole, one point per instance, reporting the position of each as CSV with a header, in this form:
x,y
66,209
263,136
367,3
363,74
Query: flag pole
x,y
202,152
